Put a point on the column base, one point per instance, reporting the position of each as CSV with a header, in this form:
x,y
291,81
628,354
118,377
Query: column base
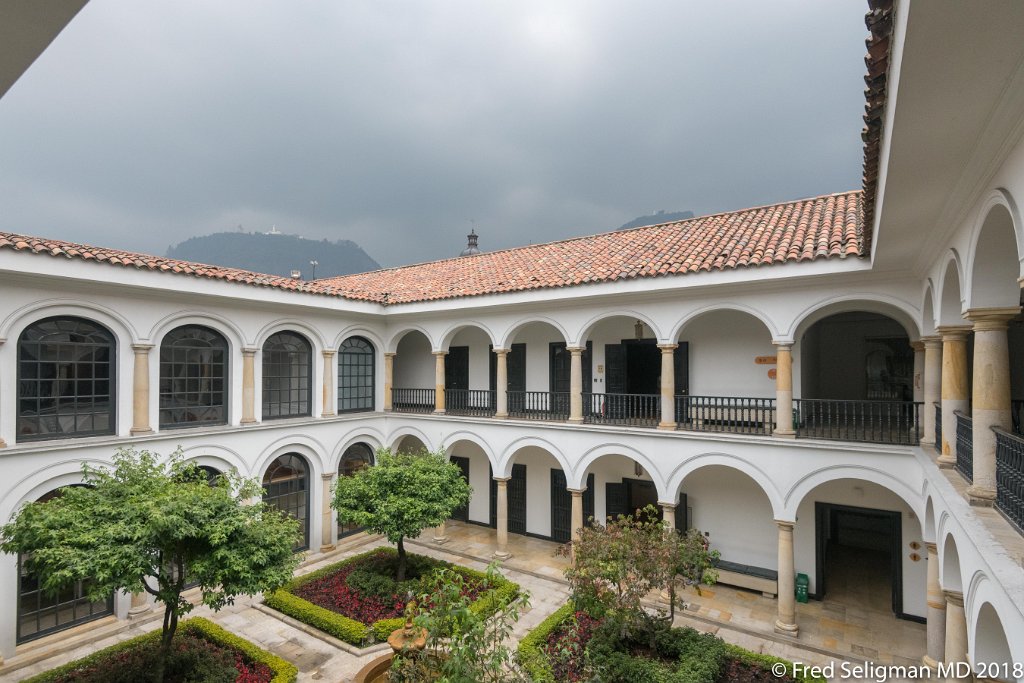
x,y
327,414
136,612
439,411
3,444
784,433
440,540
140,432
248,422
575,420
388,409
945,462
328,548
502,555
929,662
500,416
668,426
791,630
981,497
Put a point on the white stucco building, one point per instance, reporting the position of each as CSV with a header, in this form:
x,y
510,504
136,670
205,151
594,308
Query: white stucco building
x,y
811,382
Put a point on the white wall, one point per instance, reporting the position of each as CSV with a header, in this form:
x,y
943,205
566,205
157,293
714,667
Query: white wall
x,y
735,511
723,345
414,363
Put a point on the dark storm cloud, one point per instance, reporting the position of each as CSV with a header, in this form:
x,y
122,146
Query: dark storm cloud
x,y
395,123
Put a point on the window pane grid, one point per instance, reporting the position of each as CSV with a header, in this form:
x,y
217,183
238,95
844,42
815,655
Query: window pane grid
x,y
65,380
356,457
286,485
355,375
193,377
287,366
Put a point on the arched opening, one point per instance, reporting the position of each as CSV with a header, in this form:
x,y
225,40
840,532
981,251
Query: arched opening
x,y
356,369
735,512
539,502
991,647
470,373
857,380
193,377
286,487
728,377
860,544
66,379
41,613
539,372
287,376
476,470
410,444
952,579
413,375
624,362
356,457
622,486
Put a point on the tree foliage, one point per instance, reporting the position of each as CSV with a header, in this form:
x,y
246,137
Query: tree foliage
x,y
401,495
159,527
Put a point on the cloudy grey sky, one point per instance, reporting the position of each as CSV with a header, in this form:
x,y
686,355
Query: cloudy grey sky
x,y
395,123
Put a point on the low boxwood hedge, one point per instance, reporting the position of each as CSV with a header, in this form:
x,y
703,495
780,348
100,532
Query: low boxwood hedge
x,y
284,671
354,632
533,660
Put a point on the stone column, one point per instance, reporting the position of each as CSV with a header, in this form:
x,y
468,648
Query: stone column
x,y
990,405
786,623
577,512
439,536
327,542
329,408
502,552
668,386
784,391
501,383
954,387
389,379
439,381
668,512
248,386
936,612
956,628
576,384
3,444
932,388
140,390
140,605
918,347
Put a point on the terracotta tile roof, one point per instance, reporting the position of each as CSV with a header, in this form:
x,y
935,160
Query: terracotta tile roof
x,y
879,22
128,259
821,227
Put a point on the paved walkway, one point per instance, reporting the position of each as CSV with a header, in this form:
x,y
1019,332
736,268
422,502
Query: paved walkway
x,y
828,631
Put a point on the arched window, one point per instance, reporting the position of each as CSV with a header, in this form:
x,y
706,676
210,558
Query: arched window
x,y
356,457
287,488
355,375
40,613
66,369
287,372
193,377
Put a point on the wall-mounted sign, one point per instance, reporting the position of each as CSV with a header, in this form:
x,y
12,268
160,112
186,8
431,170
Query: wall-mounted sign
x,y
771,373
765,360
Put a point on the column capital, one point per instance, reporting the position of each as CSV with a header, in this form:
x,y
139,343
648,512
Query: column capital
x,y
327,476
576,350
668,505
932,341
783,343
991,318
668,348
954,332
785,525
329,352
501,480
955,598
390,354
2,340
137,348
917,345
440,353
249,350
577,492
500,352
931,547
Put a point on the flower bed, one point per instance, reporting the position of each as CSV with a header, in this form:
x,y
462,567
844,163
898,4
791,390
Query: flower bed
x,y
558,648
201,651
358,601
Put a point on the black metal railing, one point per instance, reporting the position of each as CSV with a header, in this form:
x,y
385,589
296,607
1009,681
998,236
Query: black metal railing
x,y
631,410
412,400
1010,477
538,405
1017,416
938,427
469,402
892,422
964,445
738,415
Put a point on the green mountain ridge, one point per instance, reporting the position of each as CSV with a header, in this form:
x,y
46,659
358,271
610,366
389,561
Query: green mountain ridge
x,y
275,254
656,218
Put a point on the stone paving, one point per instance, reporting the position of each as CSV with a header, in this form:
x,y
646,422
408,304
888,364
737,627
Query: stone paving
x,y
828,631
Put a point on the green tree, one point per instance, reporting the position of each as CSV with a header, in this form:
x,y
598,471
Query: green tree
x,y
401,495
156,526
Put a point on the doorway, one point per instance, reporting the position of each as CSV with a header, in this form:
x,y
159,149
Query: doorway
x,y
859,556
462,513
561,506
516,492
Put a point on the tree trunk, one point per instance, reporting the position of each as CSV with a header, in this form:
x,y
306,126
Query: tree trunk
x,y
401,560
166,637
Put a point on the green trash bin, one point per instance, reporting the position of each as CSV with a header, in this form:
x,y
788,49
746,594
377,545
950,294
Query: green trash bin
x,y
802,584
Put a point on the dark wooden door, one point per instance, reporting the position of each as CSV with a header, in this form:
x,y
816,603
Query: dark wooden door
x,y
682,521
643,366
463,512
639,494
560,367
561,506
516,492
681,358
614,500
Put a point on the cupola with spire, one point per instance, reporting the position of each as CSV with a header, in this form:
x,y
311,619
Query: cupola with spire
x,y
471,246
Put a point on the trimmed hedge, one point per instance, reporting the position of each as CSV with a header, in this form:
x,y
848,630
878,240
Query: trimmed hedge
x,y
535,662
284,671
357,633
